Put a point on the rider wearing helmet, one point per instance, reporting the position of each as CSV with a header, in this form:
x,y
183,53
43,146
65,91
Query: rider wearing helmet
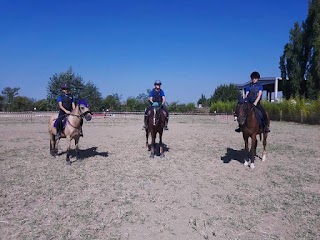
x,y
156,98
253,93
66,105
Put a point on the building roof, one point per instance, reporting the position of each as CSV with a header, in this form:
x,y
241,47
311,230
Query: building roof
x,y
268,84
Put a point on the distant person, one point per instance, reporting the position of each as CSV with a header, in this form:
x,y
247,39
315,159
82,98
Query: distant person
x,y
253,93
156,98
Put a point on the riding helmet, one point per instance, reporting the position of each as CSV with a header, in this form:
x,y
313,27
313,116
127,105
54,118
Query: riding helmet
x,y
255,75
157,82
65,86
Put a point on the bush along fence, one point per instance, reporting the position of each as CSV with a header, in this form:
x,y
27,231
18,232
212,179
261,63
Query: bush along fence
x,y
292,110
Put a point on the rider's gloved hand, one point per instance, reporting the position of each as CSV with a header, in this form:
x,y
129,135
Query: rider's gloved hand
x,y
155,104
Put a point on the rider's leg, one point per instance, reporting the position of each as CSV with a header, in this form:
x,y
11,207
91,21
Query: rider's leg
x,y
167,119
58,128
265,117
145,120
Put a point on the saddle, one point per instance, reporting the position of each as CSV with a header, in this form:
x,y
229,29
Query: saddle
x,y
60,123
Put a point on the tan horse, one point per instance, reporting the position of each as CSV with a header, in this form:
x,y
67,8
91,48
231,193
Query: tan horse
x,y
72,129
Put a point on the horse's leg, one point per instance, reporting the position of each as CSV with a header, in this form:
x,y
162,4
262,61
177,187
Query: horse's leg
x,y
253,149
264,152
53,151
76,142
68,150
147,135
161,144
153,143
246,148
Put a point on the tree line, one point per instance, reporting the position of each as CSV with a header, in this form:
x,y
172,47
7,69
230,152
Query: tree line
x,y
11,101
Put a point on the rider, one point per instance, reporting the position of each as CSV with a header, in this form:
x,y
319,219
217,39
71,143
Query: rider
x,y
254,93
157,98
66,105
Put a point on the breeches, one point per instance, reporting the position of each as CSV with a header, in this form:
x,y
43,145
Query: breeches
x,y
264,114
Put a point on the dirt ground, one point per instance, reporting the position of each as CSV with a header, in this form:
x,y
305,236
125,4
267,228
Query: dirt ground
x,y
200,190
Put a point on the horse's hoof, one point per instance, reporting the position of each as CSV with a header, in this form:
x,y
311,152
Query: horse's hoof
x,y
252,166
161,155
246,163
151,155
68,162
264,157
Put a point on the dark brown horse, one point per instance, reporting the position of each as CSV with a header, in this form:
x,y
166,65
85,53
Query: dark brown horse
x,y
249,125
71,130
155,124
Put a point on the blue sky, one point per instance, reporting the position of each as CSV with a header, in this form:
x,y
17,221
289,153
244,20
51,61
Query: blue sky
x,y
123,46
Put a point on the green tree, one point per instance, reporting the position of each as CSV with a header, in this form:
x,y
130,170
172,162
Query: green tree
x,y
291,64
9,95
225,93
76,84
21,104
202,100
112,102
91,93
299,62
132,104
42,105
1,102
312,30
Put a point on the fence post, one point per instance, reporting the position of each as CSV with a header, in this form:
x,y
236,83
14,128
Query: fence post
x,y
281,115
301,116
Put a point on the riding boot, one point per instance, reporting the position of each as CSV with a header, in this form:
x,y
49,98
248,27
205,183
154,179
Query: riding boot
x,y
145,126
58,135
238,129
266,128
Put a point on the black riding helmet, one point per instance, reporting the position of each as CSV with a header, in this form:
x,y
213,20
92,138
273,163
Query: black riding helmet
x,y
157,82
255,75
65,86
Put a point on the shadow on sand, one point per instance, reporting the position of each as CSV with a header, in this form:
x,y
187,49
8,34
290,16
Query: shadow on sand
x,y
237,155
86,153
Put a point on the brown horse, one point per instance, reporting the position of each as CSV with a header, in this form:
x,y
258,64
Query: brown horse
x,y
156,123
249,125
72,128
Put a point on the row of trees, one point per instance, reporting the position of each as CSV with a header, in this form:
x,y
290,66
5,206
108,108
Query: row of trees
x,y
223,93
300,61
10,101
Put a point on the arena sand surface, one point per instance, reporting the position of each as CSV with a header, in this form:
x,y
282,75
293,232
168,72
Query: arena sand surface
x,y
200,190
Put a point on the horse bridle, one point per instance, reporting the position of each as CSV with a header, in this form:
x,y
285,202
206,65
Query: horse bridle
x,y
247,113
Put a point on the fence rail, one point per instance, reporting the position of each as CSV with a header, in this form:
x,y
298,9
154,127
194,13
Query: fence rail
x,y
299,118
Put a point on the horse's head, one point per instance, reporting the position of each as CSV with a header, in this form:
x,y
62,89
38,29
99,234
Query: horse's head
x,y
242,111
84,109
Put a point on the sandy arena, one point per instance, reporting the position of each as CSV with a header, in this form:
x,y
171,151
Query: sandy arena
x,y
200,190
